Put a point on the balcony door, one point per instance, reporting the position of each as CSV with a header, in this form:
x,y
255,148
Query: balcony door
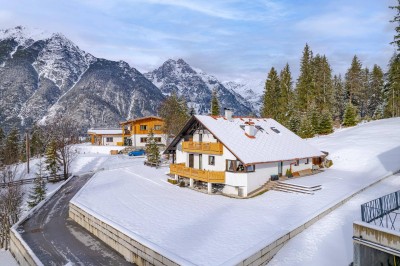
x,y
191,160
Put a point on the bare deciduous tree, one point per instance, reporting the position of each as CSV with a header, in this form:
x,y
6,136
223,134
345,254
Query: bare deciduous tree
x,y
10,205
65,132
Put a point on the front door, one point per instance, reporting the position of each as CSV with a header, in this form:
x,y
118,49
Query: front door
x,y
280,166
191,160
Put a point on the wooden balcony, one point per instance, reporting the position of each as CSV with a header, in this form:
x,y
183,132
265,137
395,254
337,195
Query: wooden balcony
x,y
203,147
197,174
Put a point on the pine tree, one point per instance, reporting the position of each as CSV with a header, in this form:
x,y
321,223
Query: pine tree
x,y
315,119
375,100
350,115
392,88
354,82
38,192
326,124
365,94
52,159
11,151
294,123
339,98
214,103
396,20
152,150
285,101
271,95
36,144
306,129
323,86
304,86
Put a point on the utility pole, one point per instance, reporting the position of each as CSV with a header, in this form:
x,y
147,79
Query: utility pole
x,y
27,150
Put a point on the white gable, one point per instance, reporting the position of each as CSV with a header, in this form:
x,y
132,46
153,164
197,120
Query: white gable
x,y
266,146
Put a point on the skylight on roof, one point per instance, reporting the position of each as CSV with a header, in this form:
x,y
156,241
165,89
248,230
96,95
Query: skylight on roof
x,y
260,128
275,130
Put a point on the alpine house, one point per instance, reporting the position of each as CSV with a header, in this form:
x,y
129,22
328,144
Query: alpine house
x,y
240,154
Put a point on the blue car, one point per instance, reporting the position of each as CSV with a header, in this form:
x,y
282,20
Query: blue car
x,y
139,152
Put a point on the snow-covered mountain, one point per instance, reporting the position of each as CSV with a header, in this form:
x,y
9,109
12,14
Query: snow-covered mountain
x,y
43,76
196,87
251,91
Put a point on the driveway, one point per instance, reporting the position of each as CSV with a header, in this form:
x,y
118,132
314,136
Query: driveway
x,y
58,240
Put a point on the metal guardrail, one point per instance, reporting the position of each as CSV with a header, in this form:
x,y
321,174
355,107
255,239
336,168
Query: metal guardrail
x,y
382,211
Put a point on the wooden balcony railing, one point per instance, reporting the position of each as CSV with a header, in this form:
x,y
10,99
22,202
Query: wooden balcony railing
x,y
201,175
203,147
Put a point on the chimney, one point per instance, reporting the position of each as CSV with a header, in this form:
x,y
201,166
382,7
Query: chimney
x,y
249,129
228,114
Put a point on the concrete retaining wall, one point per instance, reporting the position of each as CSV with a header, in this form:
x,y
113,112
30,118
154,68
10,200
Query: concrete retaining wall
x,y
21,252
132,250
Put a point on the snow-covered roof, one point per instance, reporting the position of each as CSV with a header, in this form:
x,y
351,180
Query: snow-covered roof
x,y
105,131
272,141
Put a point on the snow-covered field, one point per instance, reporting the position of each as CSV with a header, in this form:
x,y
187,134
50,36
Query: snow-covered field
x,y
328,242
195,228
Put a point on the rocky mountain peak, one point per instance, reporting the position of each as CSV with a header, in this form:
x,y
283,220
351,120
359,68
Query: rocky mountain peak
x,y
195,86
43,76
23,35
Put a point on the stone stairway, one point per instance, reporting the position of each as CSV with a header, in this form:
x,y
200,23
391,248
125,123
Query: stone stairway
x,y
292,188
269,185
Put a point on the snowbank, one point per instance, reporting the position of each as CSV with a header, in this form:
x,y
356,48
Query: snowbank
x,y
89,148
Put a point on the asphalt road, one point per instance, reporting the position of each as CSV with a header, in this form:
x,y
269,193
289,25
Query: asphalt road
x,y
58,240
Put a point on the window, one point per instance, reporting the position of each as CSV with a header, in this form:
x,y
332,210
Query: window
x,y
142,140
211,160
143,127
297,163
307,160
157,139
237,166
250,168
157,127
109,139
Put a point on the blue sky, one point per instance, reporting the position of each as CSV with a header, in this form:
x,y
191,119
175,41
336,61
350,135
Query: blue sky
x,y
232,40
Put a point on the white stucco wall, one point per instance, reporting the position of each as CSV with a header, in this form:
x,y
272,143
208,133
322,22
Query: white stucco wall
x,y
113,143
261,175
180,156
136,139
